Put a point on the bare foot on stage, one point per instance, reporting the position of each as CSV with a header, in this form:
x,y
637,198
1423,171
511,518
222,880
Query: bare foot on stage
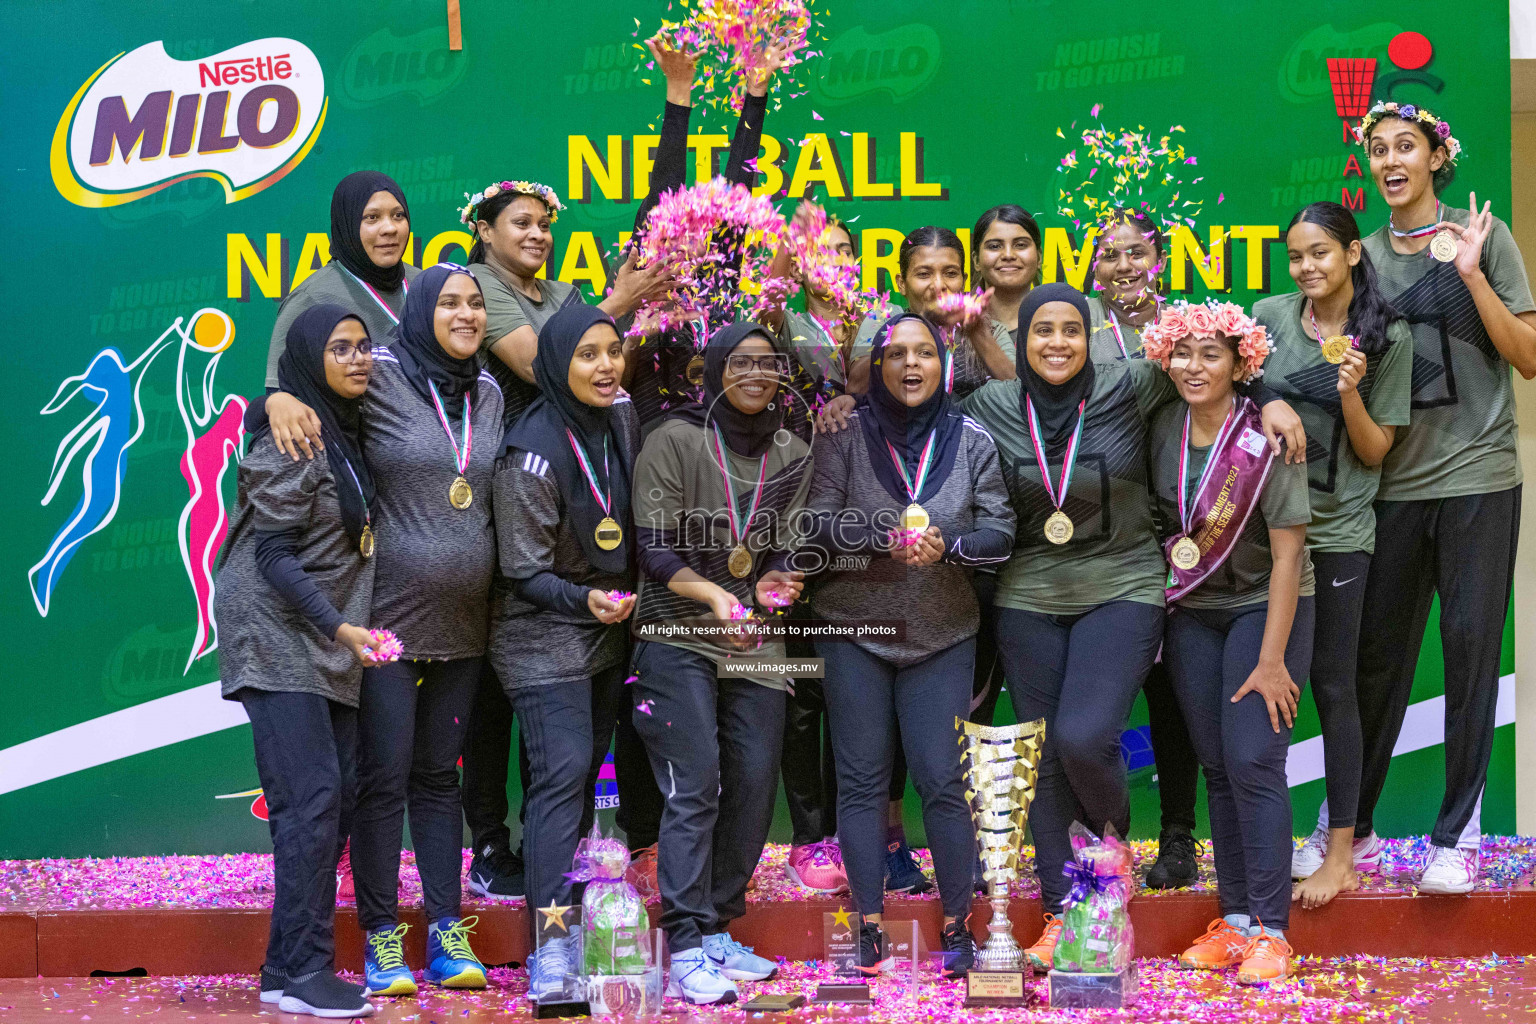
x,y
1326,883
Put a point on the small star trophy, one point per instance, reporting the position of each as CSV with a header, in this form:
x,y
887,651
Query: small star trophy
x,y
1000,767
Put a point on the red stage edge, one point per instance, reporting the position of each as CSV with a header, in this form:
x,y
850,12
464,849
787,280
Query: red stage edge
x,y
218,941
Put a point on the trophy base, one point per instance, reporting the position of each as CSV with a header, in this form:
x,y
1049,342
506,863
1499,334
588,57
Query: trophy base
x,y
561,1008
851,992
1074,991
774,1004
997,988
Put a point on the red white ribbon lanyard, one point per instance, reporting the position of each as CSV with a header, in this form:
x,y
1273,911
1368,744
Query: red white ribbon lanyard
x,y
738,526
1058,497
405,288
1427,229
604,501
1185,502
924,463
460,452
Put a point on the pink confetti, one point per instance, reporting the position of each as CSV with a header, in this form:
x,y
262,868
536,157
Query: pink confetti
x,y
385,646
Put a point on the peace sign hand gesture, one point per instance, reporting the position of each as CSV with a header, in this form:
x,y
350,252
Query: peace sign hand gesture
x,y
1469,239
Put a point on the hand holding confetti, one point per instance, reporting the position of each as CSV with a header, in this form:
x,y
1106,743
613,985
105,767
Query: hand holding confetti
x,y
743,40
383,646
959,310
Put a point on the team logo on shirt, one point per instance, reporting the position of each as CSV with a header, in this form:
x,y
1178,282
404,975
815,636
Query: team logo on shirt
x,y
144,121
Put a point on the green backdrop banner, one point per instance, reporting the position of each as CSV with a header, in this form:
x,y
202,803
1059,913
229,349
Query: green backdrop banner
x,y
170,176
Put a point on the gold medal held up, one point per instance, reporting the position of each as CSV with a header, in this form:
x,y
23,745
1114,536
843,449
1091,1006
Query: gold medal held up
x,y
1443,246
460,494
1185,553
740,562
365,542
1058,527
914,517
609,534
1335,347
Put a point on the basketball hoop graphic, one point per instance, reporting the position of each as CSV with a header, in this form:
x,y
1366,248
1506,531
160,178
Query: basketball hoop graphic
x,y
1351,78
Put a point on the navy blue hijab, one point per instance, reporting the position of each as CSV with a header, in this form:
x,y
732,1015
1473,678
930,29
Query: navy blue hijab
x,y
887,420
301,373
1055,404
421,355
746,434
347,205
542,430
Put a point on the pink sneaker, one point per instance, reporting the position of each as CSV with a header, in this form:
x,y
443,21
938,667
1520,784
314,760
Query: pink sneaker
x,y
818,867
344,874
1367,853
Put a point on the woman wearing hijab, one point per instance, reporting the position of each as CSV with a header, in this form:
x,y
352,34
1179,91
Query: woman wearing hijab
x,y
930,503
565,543
1080,601
367,273
712,489
431,424
293,593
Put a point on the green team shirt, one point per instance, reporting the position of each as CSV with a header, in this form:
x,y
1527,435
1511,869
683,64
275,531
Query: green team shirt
x,y
1103,347
1463,436
1242,579
1113,554
1342,487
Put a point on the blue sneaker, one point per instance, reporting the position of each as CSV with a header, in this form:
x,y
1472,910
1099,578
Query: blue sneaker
x,y
696,977
450,961
549,971
384,970
901,871
736,961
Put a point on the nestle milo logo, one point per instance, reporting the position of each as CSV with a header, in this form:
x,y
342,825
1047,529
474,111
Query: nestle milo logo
x,y
384,66
149,662
1303,71
900,61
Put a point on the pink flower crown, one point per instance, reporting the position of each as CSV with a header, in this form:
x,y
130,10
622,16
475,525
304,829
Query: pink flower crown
x,y
1208,319
467,215
1440,129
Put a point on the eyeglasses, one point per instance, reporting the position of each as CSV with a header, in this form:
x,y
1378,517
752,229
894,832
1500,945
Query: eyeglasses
x,y
741,365
345,354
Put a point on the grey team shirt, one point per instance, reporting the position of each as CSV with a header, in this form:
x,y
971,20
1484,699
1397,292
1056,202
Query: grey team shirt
x,y
1462,439
332,283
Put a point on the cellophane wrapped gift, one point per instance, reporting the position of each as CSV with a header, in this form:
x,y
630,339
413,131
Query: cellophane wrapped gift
x,y
1096,934
612,913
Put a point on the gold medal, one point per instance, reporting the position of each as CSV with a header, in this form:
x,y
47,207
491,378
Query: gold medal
x,y
1443,246
1185,553
365,542
740,562
460,494
695,371
609,535
914,517
1334,349
1058,528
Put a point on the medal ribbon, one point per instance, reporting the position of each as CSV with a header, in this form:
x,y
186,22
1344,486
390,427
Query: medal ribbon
x,y
405,286
737,531
460,453
1186,502
924,464
1427,229
1068,461
1114,325
367,515
1312,315
604,501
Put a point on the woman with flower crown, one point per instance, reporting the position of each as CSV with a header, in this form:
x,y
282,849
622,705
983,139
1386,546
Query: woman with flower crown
x,y
1080,599
1448,507
1238,642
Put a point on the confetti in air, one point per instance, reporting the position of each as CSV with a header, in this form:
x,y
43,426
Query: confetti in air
x,y
1125,167
730,36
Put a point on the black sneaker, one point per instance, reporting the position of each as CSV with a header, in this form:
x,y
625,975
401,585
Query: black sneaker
x,y
1178,861
979,882
902,873
959,949
322,994
272,983
871,946
497,875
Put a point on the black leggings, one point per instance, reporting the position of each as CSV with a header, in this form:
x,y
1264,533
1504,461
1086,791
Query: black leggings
x,y
1080,673
410,733
487,764
1210,654
1341,577
1178,767
866,697
1464,550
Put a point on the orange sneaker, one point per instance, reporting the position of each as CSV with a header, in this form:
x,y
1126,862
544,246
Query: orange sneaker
x,y
1267,958
1041,955
642,871
1221,946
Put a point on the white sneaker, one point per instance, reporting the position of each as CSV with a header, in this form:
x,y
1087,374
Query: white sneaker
x,y
697,978
1309,856
1449,872
736,961
1367,854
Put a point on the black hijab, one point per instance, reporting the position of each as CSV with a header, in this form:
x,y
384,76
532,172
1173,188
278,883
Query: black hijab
x,y
1055,404
421,355
745,434
347,205
542,430
301,373
886,419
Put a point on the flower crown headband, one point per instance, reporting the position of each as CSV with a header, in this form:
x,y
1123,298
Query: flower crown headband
x,y
1209,319
468,215
1409,112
